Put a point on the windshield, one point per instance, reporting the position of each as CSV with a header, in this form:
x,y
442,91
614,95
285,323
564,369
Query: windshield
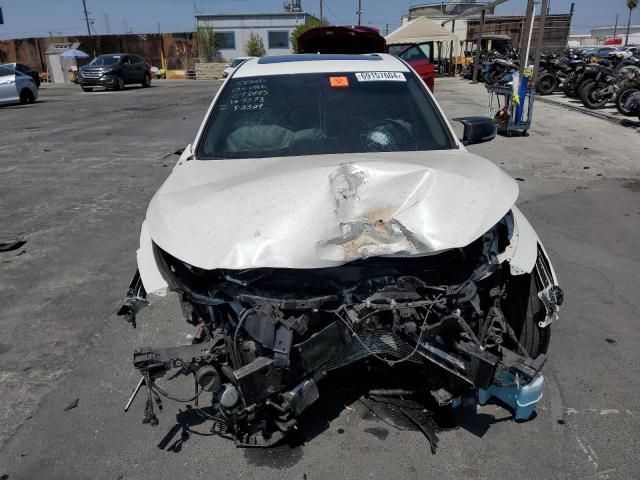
x,y
322,113
105,60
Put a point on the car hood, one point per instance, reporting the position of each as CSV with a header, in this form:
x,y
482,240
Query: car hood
x,y
326,210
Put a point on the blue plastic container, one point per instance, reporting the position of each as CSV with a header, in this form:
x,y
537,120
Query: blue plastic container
x,y
523,399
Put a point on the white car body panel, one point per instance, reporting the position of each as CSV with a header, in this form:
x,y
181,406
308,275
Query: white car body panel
x,y
230,69
326,210
376,63
152,279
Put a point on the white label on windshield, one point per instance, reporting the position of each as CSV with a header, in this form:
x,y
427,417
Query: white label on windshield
x,y
380,77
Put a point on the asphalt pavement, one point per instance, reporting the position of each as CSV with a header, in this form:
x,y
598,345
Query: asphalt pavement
x,y
77,171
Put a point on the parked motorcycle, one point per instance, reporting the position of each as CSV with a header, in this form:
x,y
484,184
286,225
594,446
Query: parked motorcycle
x,y
629,85
632,104
603,84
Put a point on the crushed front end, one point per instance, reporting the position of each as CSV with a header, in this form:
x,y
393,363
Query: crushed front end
x,y
266,337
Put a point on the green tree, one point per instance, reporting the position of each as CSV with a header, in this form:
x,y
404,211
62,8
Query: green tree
x,y
300,29
206,44
255,46
631,4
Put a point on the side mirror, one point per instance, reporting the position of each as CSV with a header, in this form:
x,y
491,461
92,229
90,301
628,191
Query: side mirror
x,y
477,129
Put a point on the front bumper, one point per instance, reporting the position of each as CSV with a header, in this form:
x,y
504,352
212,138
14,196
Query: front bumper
x,y
104,81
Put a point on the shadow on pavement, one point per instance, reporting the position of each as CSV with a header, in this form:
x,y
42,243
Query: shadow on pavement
x,y
370,392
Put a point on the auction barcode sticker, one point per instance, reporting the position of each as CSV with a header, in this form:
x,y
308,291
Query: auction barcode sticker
x,y
380,77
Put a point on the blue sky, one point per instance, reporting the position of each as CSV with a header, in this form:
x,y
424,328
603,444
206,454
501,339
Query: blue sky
x,y
26,18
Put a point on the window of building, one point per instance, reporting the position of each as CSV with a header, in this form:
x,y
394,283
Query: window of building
x,y
279,39
225,40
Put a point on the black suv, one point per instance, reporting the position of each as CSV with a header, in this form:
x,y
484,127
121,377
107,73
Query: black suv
x,y
114,71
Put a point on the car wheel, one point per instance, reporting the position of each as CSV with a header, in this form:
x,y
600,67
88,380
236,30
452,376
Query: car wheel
x,y
26,96
119,85
524,312
87,89
146,81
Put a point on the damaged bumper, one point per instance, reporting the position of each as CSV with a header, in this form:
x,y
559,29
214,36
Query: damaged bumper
x,y
267,337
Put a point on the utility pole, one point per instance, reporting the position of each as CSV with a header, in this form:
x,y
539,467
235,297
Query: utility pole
x,y
359,12
626,42
321,17
573,7
86,16
452,68
615,29
476,61
525,43
541,23
386,29
106,23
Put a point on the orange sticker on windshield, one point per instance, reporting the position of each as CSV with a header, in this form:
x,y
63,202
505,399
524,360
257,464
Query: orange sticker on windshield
x,y
339,81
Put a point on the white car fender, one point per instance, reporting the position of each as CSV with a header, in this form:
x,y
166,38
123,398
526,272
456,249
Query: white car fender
x,y
522,253
152,279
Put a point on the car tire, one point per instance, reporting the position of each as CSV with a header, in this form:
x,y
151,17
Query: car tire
x,y
524,313
87,89
119,85
26,96
146,81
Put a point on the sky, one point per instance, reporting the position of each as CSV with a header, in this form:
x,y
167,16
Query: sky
x,y
29,18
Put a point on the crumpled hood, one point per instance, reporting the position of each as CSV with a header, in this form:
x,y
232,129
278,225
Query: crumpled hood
x,y
326,210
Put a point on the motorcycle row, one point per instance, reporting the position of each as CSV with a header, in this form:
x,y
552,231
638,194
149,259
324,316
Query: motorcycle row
x,y
595,81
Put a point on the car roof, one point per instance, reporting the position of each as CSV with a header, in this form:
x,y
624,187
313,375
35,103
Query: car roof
x,y
312,63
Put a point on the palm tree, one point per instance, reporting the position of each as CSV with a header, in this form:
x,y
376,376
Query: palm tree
x,y
631,4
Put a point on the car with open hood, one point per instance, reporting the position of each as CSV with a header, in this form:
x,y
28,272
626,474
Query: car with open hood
x,y
324,218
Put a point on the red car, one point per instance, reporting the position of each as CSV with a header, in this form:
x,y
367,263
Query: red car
x,y
359,40
416,56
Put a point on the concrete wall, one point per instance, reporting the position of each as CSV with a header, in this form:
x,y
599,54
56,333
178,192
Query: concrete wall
x,y
242,25
209,71
178,49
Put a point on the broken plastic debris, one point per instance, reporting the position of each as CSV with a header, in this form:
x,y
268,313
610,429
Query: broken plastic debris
x,y
12,244
72,405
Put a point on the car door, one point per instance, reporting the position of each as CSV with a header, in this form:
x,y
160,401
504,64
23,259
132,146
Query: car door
x,y
8,87
139,66
125,64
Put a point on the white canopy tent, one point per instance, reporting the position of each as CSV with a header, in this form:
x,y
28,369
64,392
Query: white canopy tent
x,y
420,30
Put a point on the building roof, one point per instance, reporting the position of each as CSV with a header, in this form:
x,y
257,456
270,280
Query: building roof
x,y
313,63
61,47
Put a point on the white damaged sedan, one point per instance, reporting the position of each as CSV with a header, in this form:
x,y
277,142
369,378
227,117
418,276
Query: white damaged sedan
x,y
326,218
